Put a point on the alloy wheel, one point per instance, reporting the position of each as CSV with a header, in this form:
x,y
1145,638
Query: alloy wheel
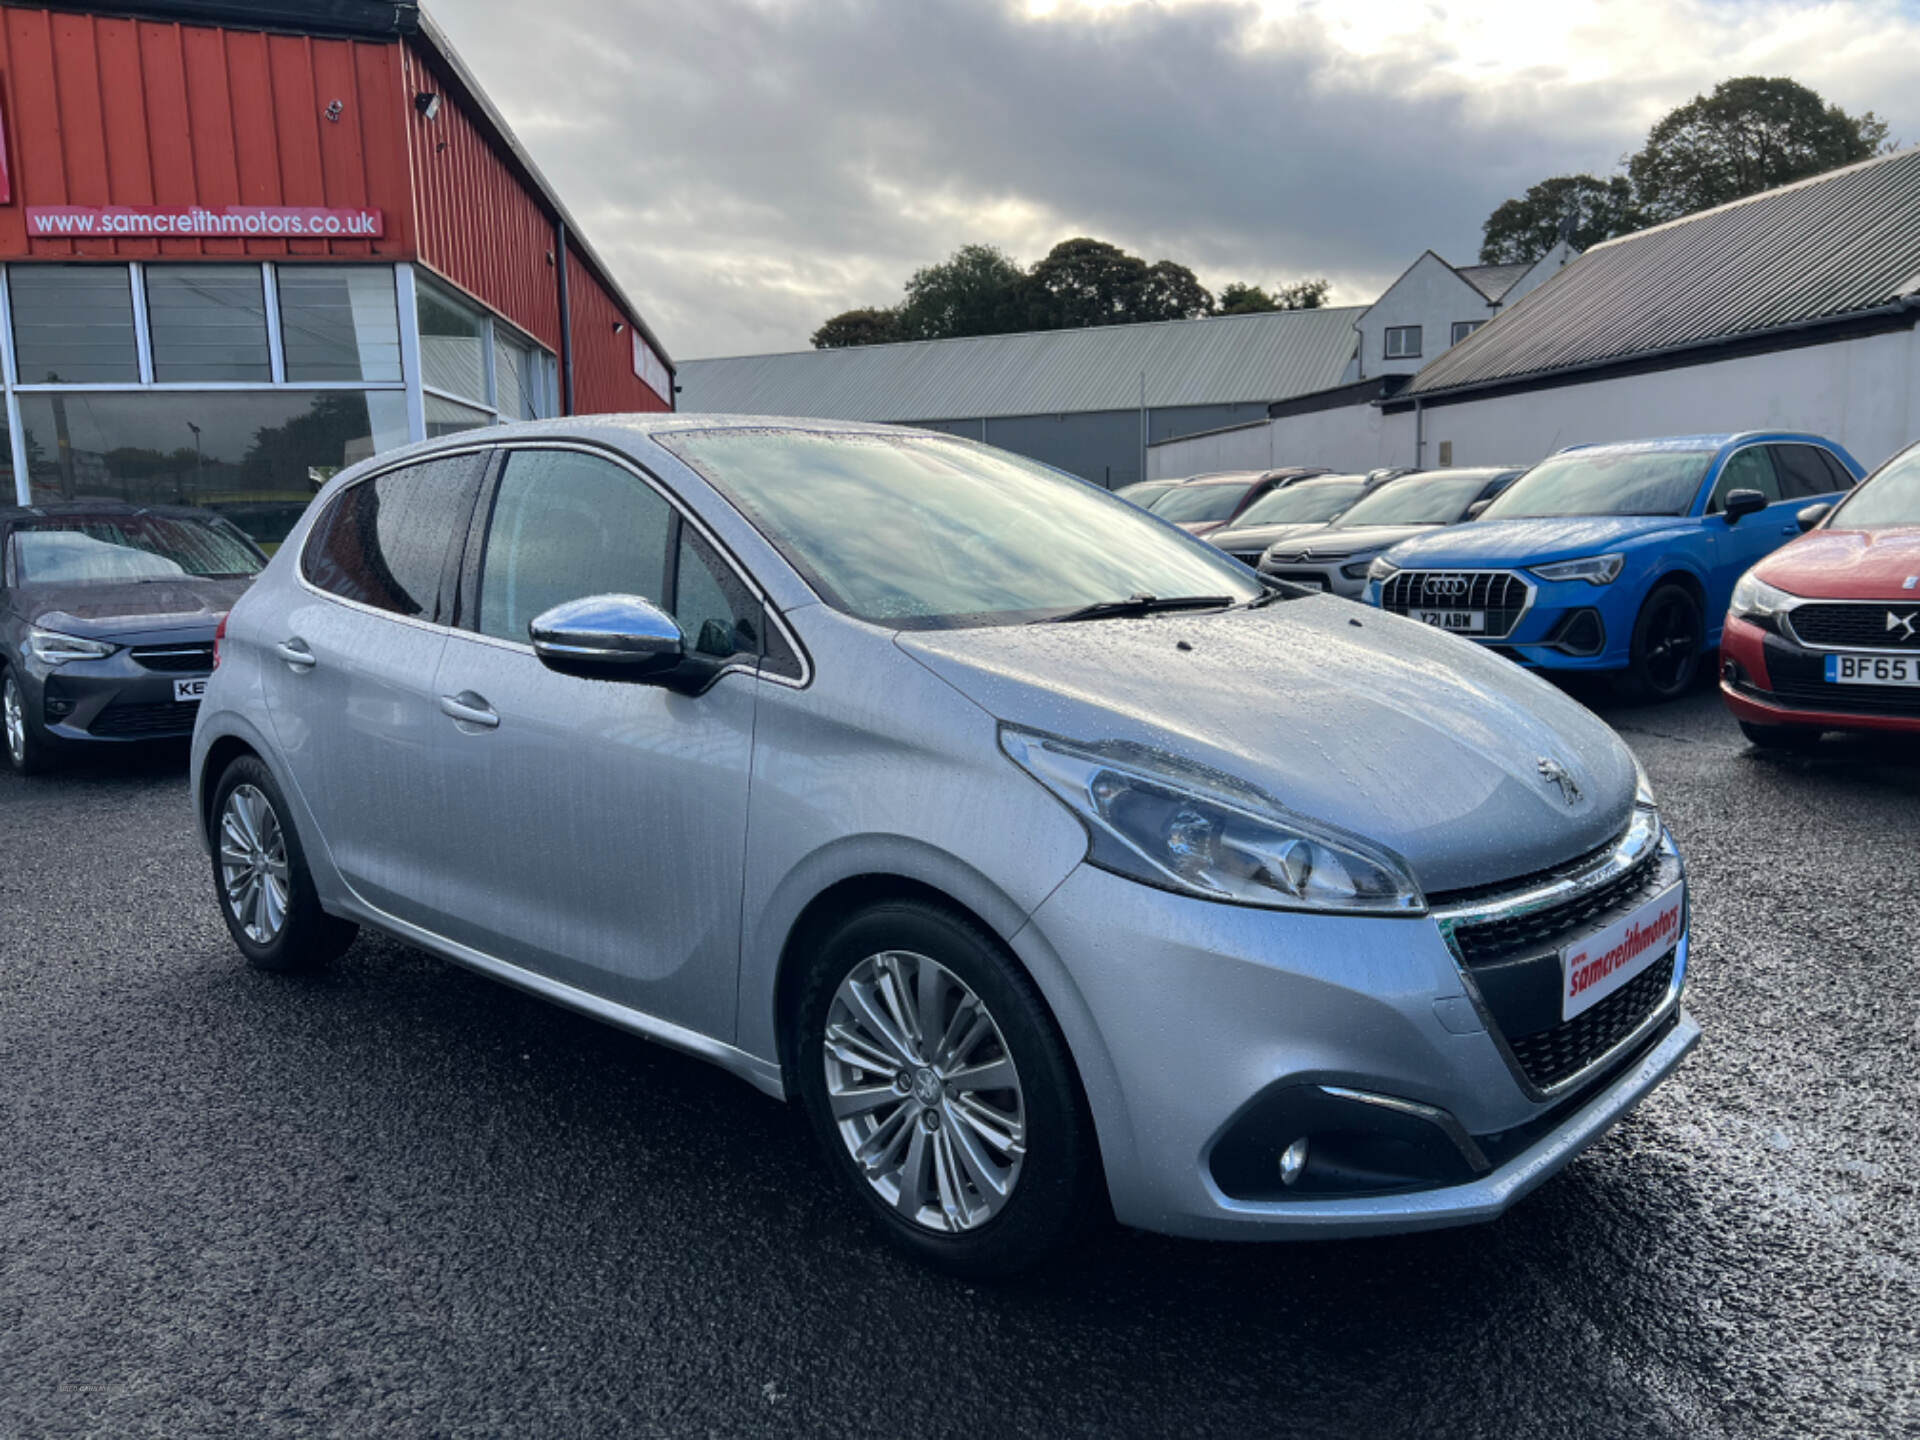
x,y
924,1091
1671,645
16,719
253,864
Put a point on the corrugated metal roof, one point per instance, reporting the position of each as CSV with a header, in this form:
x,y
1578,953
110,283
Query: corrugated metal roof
x,y
1827,247
1225,359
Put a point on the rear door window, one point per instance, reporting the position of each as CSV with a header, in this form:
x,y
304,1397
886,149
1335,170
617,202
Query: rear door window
x,y
1807,470
386,542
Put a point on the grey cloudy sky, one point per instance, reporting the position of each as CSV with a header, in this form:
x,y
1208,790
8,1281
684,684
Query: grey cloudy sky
x,y
750,167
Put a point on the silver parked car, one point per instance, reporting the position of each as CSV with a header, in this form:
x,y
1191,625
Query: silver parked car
x,y
1042,852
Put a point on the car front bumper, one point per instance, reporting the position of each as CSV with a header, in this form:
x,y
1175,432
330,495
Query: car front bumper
x,y
1564,625
1202,1014
117,699
1767,679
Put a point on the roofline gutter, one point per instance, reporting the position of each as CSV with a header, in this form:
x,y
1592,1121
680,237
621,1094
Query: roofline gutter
x,y
1906,306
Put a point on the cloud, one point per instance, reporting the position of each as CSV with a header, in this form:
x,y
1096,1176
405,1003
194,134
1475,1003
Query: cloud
x,y
749,167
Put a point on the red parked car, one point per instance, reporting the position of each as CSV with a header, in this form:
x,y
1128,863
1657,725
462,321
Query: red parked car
x,y
1824,634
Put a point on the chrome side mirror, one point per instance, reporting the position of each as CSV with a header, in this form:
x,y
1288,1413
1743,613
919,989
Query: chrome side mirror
x,y
1812,515
608,637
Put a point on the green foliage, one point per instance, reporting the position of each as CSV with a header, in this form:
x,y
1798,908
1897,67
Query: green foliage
x,y
1751,134
1527,228
1240,298
979,290
858,327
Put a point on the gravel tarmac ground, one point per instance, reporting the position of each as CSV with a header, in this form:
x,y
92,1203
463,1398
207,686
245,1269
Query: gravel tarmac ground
x,y
397,1199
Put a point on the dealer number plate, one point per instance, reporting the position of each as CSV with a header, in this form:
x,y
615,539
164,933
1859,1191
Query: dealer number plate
x,y
190,692
1593,968
1464,622
1873,669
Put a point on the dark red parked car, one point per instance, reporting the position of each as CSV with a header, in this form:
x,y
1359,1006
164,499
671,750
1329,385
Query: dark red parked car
x,y
1824,634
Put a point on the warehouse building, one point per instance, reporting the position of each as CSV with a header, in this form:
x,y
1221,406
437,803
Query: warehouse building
x,y
249,242
1088,401
1793,309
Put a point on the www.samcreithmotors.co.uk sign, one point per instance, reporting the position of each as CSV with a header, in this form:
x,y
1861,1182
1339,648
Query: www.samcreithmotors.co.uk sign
x,y
237,222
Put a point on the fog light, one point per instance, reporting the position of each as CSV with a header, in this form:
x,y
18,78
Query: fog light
x,y
1730,672
58,709
1293,1160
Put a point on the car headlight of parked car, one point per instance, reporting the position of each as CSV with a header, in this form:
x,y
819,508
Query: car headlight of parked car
x,y
1381,568
1643,788
1359,569
1594,569
1177,827
50,647
1760,603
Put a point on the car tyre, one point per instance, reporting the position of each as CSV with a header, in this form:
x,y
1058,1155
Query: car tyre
x,y
1668,635
1780,737
26,749
965,1226
261,878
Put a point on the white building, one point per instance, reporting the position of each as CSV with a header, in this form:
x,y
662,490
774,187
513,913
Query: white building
x,y
1434,306
1792,309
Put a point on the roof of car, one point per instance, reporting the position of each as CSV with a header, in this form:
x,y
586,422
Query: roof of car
x,y
1709,441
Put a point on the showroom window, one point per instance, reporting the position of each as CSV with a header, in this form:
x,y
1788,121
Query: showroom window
x,y
241,387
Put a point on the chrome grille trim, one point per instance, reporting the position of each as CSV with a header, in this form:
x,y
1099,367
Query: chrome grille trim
x,y
1404,591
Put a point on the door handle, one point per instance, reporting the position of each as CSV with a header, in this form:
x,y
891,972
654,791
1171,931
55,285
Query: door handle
x,y
296,653
470,709
1793,529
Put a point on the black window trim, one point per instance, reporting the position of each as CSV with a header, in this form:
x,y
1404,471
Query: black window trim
x,y
474,548
1831,462
1719,472
1386,342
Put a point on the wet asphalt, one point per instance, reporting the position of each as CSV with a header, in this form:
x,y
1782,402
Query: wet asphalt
x,y
396,1199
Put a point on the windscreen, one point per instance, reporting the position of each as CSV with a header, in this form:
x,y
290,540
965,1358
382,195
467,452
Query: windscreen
x,y
915,532
1191,504
1606,482
1420,500
118,549
1304,503
1890,498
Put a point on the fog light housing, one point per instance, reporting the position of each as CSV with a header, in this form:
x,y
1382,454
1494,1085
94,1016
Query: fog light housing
x,y
1730,672
58,709
1293,1161
1580,633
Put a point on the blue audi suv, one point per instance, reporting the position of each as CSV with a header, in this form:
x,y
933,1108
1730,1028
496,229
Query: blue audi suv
x,y
1616,558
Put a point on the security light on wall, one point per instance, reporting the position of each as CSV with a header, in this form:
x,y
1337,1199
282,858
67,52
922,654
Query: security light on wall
x,y
427,103
618,326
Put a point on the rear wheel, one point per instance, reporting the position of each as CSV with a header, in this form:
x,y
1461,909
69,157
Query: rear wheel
x,y
26,751
260,874
943,1093
1780,737
1667,639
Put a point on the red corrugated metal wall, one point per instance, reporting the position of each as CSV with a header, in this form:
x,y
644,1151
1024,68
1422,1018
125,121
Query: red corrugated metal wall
x,y
603,378
108,111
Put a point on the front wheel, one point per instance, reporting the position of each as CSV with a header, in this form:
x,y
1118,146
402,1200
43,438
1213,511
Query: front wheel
x,y
943,1093
1668,636
260,875
26,751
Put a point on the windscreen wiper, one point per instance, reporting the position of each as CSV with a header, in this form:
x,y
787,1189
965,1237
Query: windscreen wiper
x,y
1141,605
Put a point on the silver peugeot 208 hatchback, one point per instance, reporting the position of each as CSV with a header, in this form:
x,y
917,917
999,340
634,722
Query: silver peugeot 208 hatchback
x,y
1046,855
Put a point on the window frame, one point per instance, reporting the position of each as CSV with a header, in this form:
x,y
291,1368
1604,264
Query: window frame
x,y
1460,329
1823,457
1720,473
466,588
407,278
1419,341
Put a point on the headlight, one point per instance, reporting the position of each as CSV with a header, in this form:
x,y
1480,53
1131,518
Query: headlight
x,y
1381,568
1594,569
1763,604
1358,570
50,647
1642,787
1181,827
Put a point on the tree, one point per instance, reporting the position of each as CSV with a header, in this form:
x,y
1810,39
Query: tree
x,y
1084,282
1751,134
1527,228
1240,298
1172,292
978,290
858,327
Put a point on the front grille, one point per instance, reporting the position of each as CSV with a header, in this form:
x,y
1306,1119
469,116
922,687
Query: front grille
x,y
1500,593
1248,557
175,659
1314,579
1858,626
1799,678
1553,926
1566,1049
162,719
